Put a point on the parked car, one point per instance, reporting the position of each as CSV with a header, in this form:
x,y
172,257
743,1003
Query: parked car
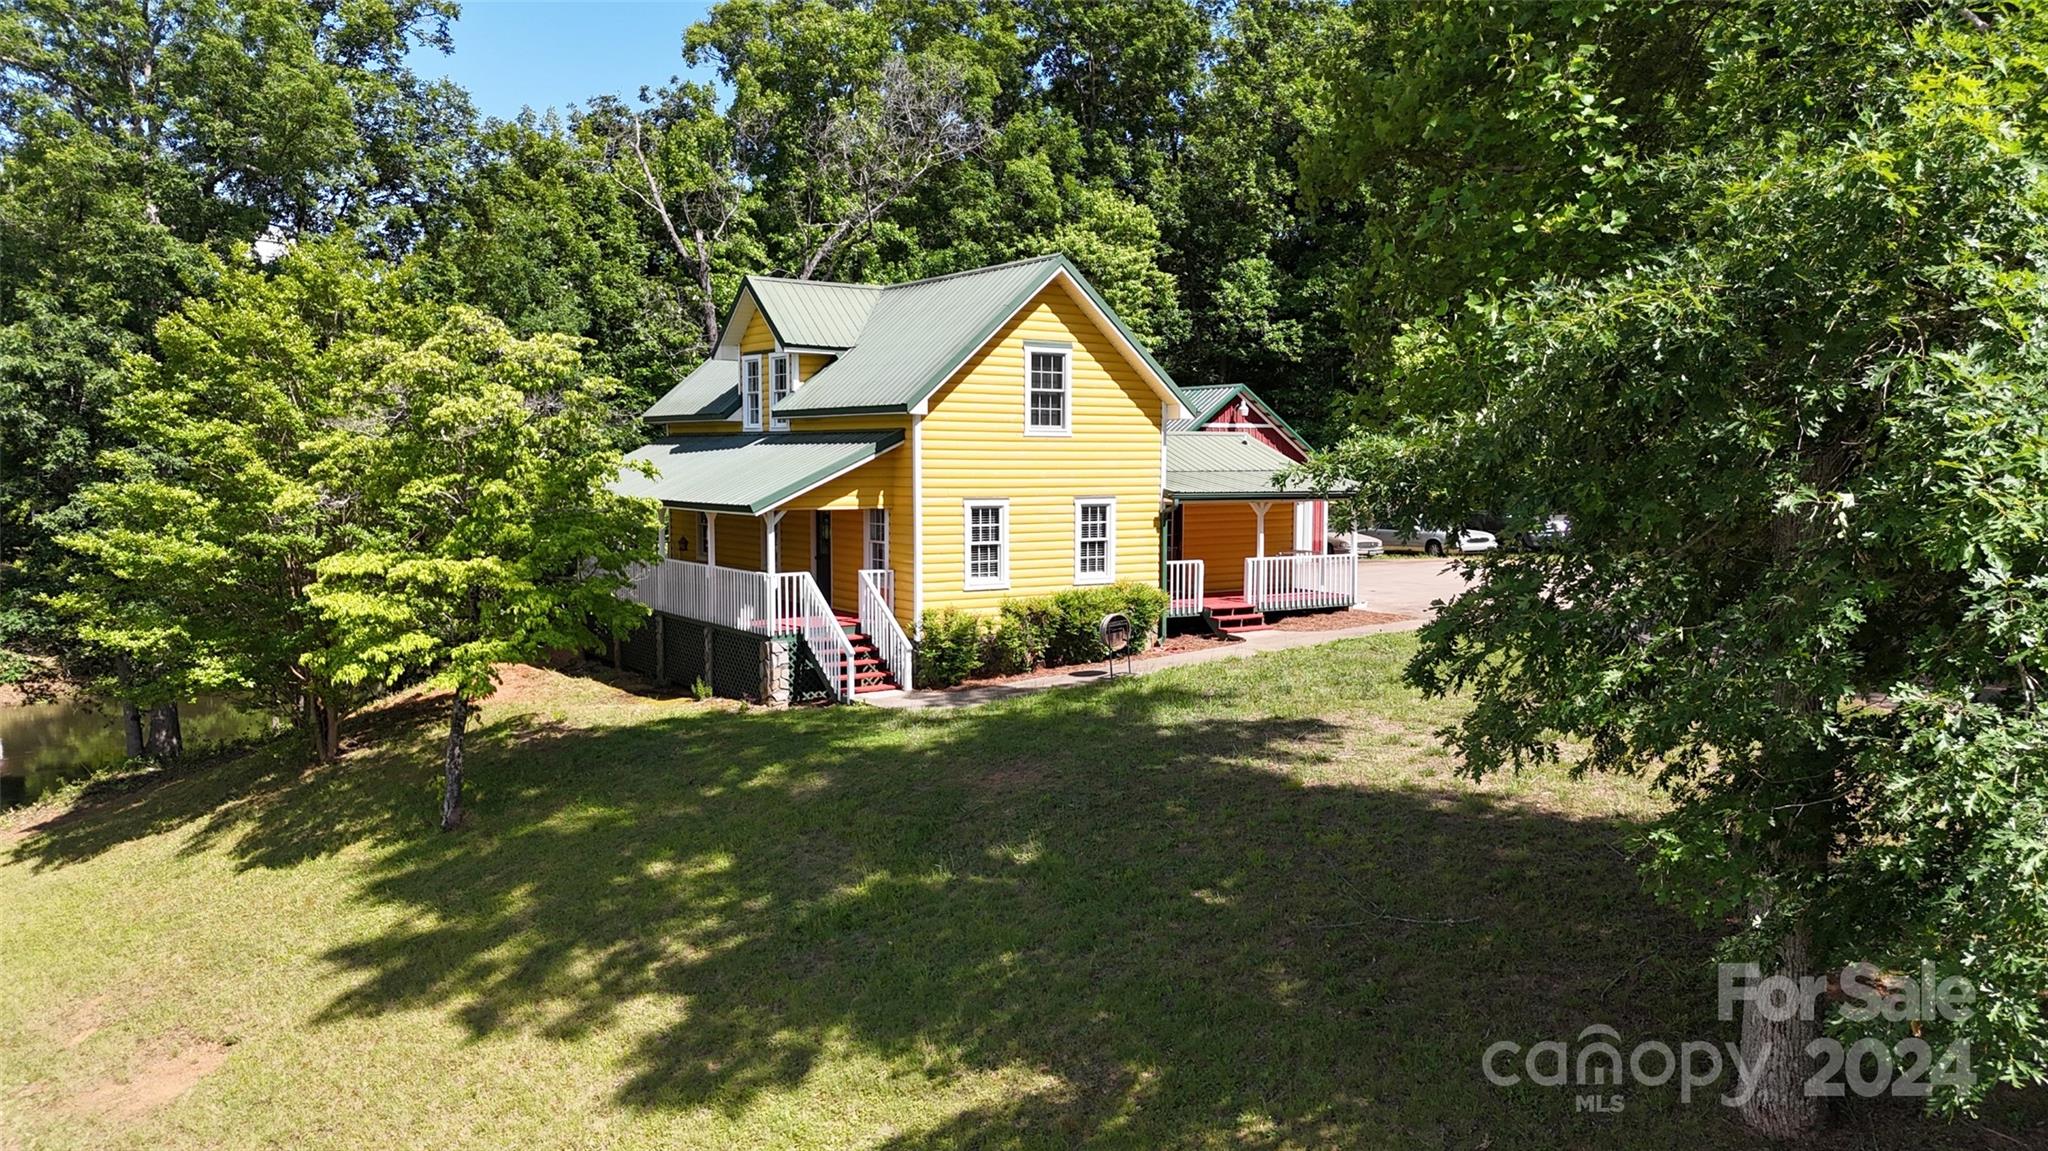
x,y
1553,532
1435,541
1359,542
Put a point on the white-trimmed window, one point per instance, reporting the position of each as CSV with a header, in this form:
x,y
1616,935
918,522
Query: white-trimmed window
x,y
875,545
1048,390
1094,540
782,381
750,393
988,544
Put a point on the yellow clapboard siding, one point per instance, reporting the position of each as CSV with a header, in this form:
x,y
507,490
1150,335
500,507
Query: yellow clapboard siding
x,y
758,337
740,543
881,482
975,448
703,428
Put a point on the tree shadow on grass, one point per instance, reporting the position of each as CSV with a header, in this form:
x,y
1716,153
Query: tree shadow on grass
x,y
1123,895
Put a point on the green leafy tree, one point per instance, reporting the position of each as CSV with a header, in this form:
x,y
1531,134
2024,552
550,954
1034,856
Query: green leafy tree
x,y
487,457
1799,424
196,549
539,234
138,141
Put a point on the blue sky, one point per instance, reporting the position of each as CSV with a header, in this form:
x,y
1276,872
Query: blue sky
x,y
553,53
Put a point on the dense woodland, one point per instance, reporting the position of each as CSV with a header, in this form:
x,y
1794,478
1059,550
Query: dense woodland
x,y
1756,292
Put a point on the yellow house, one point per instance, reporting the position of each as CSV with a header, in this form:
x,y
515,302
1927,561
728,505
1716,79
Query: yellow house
x,y
854,455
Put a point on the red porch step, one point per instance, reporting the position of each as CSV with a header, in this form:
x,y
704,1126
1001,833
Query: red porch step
x,y
1233,615
869,672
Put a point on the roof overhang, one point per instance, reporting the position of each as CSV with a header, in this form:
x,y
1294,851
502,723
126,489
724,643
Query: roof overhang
x,y
747,474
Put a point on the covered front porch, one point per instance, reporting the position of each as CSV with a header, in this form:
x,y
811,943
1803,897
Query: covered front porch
x,y
1243,541
782,536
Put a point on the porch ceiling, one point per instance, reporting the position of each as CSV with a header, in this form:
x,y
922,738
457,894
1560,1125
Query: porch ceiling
x,y
747,474
1230,466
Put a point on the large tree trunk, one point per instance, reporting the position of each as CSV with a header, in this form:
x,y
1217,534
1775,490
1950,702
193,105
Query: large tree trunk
x,y
1780,1107
326,728
451,787
131,728
166,735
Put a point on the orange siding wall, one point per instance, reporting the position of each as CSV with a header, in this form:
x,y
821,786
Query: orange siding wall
x,y
1221,535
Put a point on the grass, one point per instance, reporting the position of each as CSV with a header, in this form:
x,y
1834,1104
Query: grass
x,y
1201,909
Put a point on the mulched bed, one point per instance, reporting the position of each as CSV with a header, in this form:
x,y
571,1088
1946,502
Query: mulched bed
x,y
1173,645
1334,620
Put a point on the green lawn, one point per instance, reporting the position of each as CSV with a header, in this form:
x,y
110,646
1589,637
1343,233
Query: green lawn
x,y
1202,908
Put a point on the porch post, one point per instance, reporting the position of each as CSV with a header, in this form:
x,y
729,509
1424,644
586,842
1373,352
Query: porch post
x,y
711,538
1259,510
771,545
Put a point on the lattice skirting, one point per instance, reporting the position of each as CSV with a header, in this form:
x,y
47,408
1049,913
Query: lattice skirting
x,y
734,664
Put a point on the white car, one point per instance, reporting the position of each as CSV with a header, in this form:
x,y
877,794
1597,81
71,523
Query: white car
x,y
1436,541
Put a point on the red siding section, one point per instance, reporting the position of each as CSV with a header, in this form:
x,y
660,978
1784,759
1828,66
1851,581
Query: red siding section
x,y
1241,415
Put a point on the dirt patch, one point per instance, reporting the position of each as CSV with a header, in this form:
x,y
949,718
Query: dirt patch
x,y
80,1023
161,1079
1335,620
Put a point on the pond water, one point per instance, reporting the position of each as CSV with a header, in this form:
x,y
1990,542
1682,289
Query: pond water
x,y
44,744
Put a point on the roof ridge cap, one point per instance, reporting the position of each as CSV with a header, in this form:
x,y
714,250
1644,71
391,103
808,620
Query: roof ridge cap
x,y
1040,259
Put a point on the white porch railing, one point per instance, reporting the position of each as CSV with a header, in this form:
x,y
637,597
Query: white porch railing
x,y
801,609
1291,583
1184,587
787,603
724,596
878,622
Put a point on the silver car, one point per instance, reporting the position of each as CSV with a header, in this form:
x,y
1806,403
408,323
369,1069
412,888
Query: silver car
x,y
1435,541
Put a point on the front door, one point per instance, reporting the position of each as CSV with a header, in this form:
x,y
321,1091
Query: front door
x,y
821,553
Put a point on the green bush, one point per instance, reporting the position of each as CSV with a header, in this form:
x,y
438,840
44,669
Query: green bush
x,y
1048,631
1064,627
950,649
1005,649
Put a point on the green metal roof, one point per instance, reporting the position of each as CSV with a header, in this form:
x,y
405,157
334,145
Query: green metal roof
x,y
814,313
919,333
747,474
1208,399
1229,466
1206,402
900,342
711,392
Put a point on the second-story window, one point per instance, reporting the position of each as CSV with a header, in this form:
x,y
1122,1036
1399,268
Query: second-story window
x,y
750,393
1047,391
782,374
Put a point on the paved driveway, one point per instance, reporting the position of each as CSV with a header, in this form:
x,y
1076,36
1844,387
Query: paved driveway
x,y
1407,584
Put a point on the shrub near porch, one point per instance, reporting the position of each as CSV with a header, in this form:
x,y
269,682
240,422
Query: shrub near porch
x,y
1043,631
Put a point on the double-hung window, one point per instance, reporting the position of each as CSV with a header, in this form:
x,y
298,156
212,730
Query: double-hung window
x,y
988,544
750,393
1094,540
875,549
1048,390
782,375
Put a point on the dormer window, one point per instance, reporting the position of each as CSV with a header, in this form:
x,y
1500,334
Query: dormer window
x,y
1048,390
750,393
782,375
